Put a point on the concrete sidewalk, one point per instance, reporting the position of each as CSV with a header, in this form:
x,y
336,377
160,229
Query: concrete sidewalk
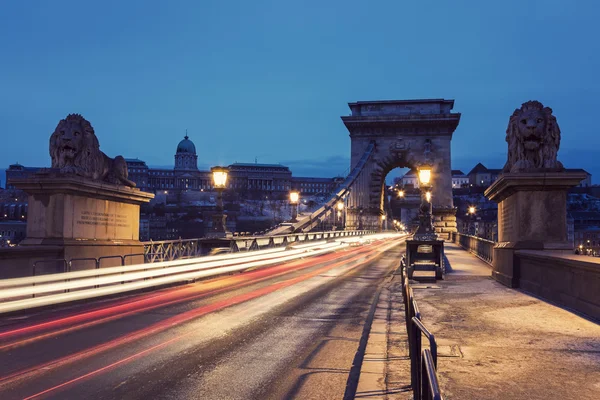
x,y
385,370
500,343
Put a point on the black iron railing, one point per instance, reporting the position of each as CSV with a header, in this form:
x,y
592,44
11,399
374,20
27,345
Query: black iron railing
x,y
482,248
423,362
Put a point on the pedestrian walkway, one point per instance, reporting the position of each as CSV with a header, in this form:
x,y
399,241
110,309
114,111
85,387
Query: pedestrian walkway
x,y
500,343
385,370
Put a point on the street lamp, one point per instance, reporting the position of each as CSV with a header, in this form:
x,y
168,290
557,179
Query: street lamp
x,y
294,200
471,213
340,207
219,228
425,230
401,193
425,175
383,221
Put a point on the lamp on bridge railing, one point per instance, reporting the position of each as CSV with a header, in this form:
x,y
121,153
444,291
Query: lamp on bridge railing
x,y
219,228
294,200
340,208
425,231
425,175
471,214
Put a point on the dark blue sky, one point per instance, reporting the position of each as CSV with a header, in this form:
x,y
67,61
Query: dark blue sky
x,y
270,79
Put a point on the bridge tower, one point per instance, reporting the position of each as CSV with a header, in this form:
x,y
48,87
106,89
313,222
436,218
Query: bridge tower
x,y
406,133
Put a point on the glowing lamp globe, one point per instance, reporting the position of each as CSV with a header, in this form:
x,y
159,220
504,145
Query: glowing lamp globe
x,y
294,197
219,177
425,175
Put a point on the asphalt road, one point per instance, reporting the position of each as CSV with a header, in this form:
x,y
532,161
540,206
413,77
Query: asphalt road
x,y
287,331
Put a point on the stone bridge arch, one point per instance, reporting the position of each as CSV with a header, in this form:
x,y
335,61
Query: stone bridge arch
x,y
406,133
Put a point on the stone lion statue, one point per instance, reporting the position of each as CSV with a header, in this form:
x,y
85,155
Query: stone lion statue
x,y
533,138
74,149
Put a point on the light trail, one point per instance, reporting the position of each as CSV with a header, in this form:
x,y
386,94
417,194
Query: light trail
x,y
186,316
173,296
88,288
67,281
51,299
213,260
5,283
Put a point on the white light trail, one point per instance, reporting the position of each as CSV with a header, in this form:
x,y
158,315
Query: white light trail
x,y
82,284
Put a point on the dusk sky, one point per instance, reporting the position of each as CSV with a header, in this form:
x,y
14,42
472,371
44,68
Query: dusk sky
x,y
270,79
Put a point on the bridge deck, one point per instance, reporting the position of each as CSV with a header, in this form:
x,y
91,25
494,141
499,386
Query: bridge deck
x,y
500,343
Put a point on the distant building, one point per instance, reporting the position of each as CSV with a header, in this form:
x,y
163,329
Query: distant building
x,y
316,186
13,208
186,176
459,179
570,230
410,179
12,232
586,227
144,229
482,176
262,177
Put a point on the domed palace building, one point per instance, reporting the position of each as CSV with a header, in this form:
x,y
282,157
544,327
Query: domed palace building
x,y
185,175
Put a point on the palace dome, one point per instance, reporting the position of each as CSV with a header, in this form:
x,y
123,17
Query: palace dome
x,y
186,146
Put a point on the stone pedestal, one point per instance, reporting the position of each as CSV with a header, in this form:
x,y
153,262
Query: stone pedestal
x,y
86,218
532,215
444,221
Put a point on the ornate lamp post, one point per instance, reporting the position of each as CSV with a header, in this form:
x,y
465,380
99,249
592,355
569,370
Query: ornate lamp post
x,y
471,213
340,208
219,228
294,200
425,230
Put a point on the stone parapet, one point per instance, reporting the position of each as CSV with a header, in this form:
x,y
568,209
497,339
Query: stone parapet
x,y
570,280
70,217
75,208
532,215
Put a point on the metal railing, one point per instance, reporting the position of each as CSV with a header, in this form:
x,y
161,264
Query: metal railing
x,y
482,248
324,212
423,362
169,250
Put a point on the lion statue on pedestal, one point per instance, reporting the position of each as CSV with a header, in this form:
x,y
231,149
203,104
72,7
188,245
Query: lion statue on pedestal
x,y
74,149
533,138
